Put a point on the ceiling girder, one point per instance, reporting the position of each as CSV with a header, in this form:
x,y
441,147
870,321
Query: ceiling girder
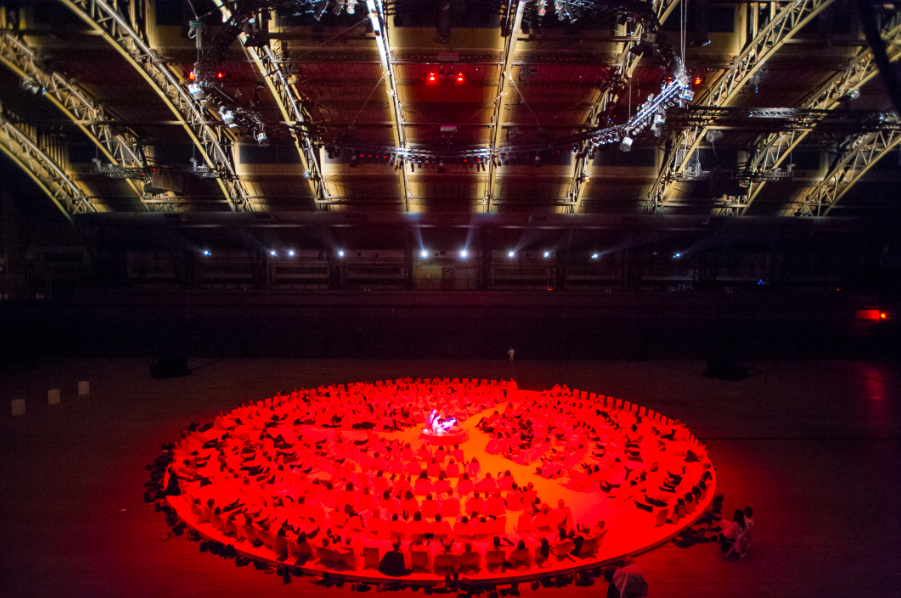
x,y
859,155
789,18
22,148
772,150
500,106
380,28
89,115
104,18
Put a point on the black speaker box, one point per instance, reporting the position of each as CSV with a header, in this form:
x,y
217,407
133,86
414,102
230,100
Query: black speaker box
x,y
170,367
725,369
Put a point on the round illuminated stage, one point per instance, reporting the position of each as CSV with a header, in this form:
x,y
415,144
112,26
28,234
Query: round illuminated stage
x,y
472,477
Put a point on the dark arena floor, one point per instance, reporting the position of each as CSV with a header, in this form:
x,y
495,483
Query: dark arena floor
x,y
813,447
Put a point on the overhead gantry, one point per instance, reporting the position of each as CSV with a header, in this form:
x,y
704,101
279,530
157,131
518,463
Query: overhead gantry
x,y
111,137
789,19
17,142
104,18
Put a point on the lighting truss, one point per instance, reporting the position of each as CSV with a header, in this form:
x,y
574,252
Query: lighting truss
x,y
106,19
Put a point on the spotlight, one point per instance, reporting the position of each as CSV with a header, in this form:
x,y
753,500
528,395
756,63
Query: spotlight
x,y
273,253
510,254
424,254
349,6
206,252
32,86
595,256
228,117
626,144
460,78
677,255
196,91
547,254
697,80
883,316
261,138
340,253
432,78
290,253
220,75
191,76
464,254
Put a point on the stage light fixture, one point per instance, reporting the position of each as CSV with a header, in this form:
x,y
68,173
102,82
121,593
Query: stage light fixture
x,y
228,117
626,144
349,6
883,316
461,78
273,253
697,80
261,138
340,253
677,255
464,254
432,78
290,253
595,256
196,91
510,254
547,254
206,252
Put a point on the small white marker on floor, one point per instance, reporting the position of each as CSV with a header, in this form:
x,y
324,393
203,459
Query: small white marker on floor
x,y
53,396
18,407
84,388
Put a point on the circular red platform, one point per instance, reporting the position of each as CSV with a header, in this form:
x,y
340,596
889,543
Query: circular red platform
x,y
318,462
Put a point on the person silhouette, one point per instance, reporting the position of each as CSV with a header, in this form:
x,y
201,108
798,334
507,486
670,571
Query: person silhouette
x,y
510,353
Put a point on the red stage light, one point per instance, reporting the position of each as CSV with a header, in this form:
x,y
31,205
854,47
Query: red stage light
x,y
461,78
191,75
433,78
220,75
698,80
883,316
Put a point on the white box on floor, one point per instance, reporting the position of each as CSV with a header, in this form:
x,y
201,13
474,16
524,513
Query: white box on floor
x,y
18,407
53,396
84,387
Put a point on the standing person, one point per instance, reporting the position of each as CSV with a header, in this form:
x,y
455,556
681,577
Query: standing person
x,y
749,522
736,532
510,353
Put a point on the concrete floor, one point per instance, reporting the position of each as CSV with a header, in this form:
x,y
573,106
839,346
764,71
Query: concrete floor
x,y
812,446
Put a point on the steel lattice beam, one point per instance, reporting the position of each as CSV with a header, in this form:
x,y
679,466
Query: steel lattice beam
x,y
789,19
625,67
94,120
773,149
108,22
861,153
289,105
500,107
380,29
49,175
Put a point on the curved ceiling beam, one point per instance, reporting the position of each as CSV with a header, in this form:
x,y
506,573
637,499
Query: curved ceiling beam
x,y
773,149
379,24
861,153
790,19
625,67
288,104
94,120
49,175
116,30
500,108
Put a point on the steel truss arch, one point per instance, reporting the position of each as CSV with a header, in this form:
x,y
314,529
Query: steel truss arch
x,y
791,17
861,153
49,175
94,120
626,64
105,19
500,106
289,106
772,150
